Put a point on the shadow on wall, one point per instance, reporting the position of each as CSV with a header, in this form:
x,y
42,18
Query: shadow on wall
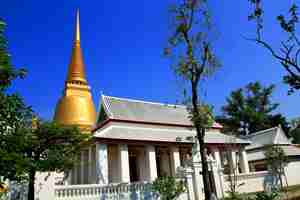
x,y
17,191
271,182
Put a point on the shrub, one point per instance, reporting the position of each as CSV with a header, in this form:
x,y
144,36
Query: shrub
x,y
266,196
168,187
234,196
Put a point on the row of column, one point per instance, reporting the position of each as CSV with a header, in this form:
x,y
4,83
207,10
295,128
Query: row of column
x,y
242,161
94,163
84,171
150,166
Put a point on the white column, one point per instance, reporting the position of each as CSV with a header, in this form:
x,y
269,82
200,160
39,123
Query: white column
x,y
233,163
124,163
175,159
82,168
90,166
197,176
218,179
101,164
151,163
244,161
70,177
190,184
68,180
216,154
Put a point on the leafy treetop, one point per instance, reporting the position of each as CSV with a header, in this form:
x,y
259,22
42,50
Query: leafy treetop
x,y
288,52
250,109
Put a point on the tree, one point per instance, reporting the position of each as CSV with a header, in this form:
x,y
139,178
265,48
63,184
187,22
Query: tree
x,y
295,134
276,119
250,109
191,49
276,161
14,115
26,149
295,130
13,111
7,72
168,188
289,48
50,147
44,147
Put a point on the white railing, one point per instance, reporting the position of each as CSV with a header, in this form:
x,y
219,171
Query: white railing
x,y
139,190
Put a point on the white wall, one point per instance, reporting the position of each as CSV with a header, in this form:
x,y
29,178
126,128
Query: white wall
x,y
252,182
257,181
293,172
44,185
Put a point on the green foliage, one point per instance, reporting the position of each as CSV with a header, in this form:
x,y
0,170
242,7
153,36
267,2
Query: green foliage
x,y
7,72
257,196
234,196
193,60
189,43
47,147
265,196
295,134
51,147
14,114
203,117
26,148
275,157
276,161
295,131
289,47
168,187
250,109
44,147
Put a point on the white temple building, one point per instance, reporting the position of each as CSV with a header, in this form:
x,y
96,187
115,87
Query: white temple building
x,y
136,141
139,141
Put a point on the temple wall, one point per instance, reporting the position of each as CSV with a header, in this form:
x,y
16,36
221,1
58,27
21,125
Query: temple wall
x,y
246,183
292,172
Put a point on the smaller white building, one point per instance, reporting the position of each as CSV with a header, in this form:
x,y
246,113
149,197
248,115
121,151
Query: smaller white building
x,y
273,136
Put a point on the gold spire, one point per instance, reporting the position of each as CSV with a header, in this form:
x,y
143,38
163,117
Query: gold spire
x,y
76,68
76,106
77,36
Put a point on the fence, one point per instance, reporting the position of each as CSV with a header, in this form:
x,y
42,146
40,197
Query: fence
x,y
134,191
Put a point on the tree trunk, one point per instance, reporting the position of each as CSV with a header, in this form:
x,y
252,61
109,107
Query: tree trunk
x,y
280,177
31,184
205,172
200,129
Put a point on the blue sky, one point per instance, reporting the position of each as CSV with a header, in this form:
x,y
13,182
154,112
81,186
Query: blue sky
x,y
122,43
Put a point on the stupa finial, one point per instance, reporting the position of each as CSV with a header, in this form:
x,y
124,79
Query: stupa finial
x,y
77,33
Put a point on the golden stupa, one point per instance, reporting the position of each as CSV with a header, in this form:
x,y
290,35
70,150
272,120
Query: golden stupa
x,y
76,106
